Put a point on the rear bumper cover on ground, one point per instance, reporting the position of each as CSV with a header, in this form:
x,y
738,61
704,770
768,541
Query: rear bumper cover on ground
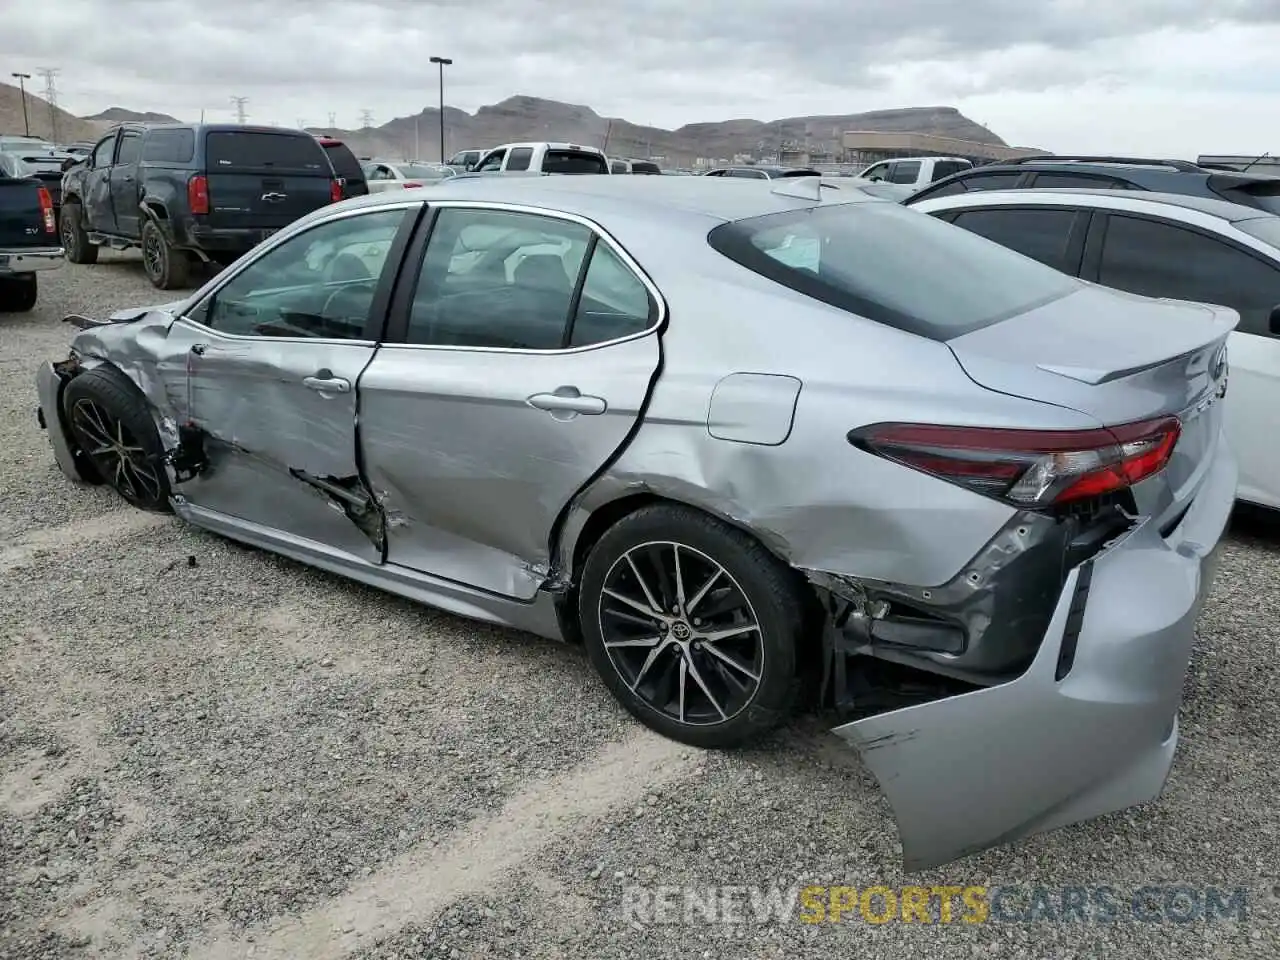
x,y
15,260
987,767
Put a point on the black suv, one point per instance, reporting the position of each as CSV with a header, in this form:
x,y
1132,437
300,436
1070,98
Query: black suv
x,y
1115,173
189,192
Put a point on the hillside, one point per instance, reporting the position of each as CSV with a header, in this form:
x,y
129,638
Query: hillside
x,y
53,125
121,115
532,118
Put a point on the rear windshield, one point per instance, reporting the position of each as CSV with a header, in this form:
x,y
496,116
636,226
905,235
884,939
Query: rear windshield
x,y
1263,194
893,265
644,166
44,164
227,150
571,161
169,146
344,161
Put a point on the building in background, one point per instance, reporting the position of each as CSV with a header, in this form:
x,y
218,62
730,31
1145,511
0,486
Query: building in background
x,y
863,147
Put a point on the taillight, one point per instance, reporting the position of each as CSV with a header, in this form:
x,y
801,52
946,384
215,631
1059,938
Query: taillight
x,y
410,184
1030,468
46,210
335,191
198,194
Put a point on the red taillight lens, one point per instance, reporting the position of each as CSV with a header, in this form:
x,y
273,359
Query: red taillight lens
x,y
46,210
335,191
1032,468
410,184
198,194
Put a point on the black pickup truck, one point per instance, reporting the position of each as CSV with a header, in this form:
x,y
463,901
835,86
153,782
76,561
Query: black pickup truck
x,y
28,235
191,192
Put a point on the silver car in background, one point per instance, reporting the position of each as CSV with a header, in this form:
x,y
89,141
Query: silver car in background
x,y
751,443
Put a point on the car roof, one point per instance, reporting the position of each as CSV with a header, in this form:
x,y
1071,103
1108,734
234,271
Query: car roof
x,y
1099,196
604,197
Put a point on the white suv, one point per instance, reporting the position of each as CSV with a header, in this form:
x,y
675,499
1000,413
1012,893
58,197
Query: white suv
x,y
1163,245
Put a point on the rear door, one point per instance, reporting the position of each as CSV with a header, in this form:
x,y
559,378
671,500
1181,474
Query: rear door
x,y
264,180
1158,258
500,399
124,183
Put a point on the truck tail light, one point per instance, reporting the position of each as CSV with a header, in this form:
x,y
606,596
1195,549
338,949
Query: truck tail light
x,y
1029,468
335,191
198,194
46,210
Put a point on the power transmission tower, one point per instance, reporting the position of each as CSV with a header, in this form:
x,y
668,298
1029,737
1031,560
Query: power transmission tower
x,y
366,119
302,124
333,120
51,97
240,112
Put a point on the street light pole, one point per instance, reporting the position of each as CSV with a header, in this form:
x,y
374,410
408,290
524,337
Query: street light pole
x,y
444,62
22,87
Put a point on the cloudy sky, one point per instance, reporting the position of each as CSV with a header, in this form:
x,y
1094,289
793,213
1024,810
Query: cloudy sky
x,y
1171,77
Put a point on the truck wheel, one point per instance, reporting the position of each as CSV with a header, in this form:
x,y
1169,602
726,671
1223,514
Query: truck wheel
x,y
75,240
18,294
166,267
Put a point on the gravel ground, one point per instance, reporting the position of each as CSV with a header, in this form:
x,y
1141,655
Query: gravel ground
x,y
210,752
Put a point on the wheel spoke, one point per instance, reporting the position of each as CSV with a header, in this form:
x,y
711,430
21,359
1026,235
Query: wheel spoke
x,y
725,658
715,636
634,605
642,642
706,691
675,554
644,587
649,662
706,588
684,675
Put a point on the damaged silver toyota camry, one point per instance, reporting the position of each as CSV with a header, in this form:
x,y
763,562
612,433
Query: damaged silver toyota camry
x,y
748,443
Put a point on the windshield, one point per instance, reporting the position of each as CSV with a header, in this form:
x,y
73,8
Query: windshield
x,y
1266,229
893,265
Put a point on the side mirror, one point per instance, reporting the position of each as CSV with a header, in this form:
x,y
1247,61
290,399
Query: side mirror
x,y
68,163
1275,321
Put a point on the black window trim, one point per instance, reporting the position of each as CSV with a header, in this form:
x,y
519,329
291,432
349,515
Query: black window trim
x,y
139,135
1021,178
411,268
1077,236
376,324
1091,267
1112,182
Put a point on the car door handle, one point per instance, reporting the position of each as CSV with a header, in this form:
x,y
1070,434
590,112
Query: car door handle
x,y
568,400
327,383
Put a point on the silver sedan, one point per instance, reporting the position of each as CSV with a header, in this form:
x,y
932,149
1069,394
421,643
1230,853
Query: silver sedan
x,y
755,445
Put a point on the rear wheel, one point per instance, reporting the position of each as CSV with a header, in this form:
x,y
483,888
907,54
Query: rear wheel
x,y
18,294
692,625
75,239
166,267
112,425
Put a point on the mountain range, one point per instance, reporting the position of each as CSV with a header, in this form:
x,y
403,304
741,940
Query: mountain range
x,y
534,118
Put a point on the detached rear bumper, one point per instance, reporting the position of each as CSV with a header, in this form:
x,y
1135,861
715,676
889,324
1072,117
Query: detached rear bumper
x,y
1040,752
15,260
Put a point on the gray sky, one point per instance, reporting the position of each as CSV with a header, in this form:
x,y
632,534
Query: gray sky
x,y
1172,77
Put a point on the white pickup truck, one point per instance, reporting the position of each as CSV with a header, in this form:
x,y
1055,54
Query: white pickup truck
x,y
917,172
543,158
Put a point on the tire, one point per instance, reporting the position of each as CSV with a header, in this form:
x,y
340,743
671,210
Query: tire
x,y
18,294
770,594
166,268
75,240
103,405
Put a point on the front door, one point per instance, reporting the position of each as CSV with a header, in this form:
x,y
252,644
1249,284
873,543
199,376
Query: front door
x,y
273,376
124,184
503,398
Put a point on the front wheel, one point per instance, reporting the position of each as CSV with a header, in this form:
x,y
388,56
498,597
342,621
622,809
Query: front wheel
x,y
692,625
18,294
166,267
112,425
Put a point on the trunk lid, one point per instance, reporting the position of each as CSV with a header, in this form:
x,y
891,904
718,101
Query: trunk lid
x,y
264,180
1118,358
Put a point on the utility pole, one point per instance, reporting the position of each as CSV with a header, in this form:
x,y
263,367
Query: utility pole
x,y
241,116
333,120
22,88
302,124
51,97
366,119
443,62
607,134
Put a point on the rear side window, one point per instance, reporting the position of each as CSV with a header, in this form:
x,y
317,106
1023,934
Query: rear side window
x,y
130,147
344,161
893,265
945,168
169,146
228,150
645,166
1068,181
1039,233
905,172
519,159
571,161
